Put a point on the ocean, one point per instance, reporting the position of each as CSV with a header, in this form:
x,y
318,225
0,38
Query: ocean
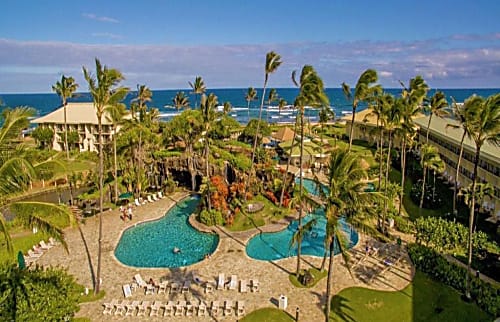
x,y
162,99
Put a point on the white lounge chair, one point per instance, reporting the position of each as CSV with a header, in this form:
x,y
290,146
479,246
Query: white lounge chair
x,y
150,289
254,285
202,309
169,309
32,254
228,308
131,307
121,308
162,287
149,199
53,241
190,308
142,308
155,308
243,286
160,195
154,197
37,249
215,308
221,281
186,286
233,283
179,308
240,308
140,282
127,292
45,245
137,203
108,307
174,288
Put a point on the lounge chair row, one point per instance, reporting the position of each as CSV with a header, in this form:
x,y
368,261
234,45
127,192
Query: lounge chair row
x,y
163,287
232,284
171,308
38,250
150,198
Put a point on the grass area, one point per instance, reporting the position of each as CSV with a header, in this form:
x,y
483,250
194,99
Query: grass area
x,y
267,215
267,314
422,300
22,243
317,275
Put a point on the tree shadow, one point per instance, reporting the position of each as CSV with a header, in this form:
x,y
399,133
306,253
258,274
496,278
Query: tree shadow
x,y
89,257
341,309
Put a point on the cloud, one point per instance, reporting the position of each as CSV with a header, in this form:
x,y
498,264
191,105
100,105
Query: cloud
x,y
106,35
35,66
92,16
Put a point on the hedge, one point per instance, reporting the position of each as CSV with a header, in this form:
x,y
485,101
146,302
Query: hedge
x,y
487,296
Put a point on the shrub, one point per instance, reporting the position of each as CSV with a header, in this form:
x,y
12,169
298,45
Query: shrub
x,y
403,225
211,217
487,296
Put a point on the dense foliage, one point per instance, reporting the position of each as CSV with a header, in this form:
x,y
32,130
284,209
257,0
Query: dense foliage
x,y
43,136
37,294
425,259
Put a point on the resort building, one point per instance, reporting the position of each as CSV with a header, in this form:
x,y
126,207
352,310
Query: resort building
x,y
447,140
82,118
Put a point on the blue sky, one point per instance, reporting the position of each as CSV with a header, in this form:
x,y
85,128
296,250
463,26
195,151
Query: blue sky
x,y
165,44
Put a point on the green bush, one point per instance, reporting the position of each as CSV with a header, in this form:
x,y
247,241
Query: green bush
x,y
404,225
487,296
211,217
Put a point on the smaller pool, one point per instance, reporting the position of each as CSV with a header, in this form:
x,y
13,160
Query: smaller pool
x,y
151,244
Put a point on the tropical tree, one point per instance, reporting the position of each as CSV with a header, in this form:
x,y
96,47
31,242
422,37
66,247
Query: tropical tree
x,y
198,87
227,107
346,198
437,106
463,114
66,89
43,135
115,114
208,106
144,95
281,105
484,126
311,93
273,61
429,159
271,98
105,90
483,190
181,100
365,89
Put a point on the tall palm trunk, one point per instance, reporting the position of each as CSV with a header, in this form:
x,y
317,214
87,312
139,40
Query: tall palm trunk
x,y
101,197
381,157
329,281
115,170
207,152
66,132
423,187
403,172
351,130
428,127
387,166
191,167
471,222
301,185
285,175
258,128
457,172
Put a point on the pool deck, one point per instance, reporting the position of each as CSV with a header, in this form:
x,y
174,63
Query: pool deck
x,y
229,258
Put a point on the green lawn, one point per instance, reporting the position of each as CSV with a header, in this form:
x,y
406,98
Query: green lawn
x,y
267,315
423,300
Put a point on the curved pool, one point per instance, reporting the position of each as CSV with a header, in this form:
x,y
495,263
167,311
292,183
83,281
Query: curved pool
x,y
273,246
151,244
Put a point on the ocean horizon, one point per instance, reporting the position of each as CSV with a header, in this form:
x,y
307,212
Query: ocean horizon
x,y
45,103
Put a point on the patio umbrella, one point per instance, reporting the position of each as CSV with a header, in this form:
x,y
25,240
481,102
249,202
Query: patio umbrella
x,y
125,195
20,260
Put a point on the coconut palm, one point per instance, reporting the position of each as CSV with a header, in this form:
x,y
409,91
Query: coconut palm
x,y
365,89
345,198
208,106
198,87
484,126
16,173
271,98
115,114
483,190
181,100
144,95
65,88
311,93
281,105
105,90
273,61
462,113
227,107
429,159
437,106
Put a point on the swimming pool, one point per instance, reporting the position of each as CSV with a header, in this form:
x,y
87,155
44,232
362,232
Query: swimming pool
x,y
151,244
273,246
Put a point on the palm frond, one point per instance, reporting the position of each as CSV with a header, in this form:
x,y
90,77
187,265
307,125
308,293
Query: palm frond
x,y
5,233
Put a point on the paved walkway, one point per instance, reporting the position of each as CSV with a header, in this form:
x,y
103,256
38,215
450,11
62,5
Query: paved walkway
x,y
229,258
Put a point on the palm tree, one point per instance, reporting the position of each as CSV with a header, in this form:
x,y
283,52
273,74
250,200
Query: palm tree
x,y
250,96
115,114
65,88
311,93
345,198
429,159
462,113
227,107
483,190
271,98
16,173
365,89
198,88
436,107
281,104
181,100
484,126
144,95
208,106
273,61
103,86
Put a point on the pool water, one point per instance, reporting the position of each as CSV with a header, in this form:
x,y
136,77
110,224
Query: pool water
x,y
151,244
273,246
